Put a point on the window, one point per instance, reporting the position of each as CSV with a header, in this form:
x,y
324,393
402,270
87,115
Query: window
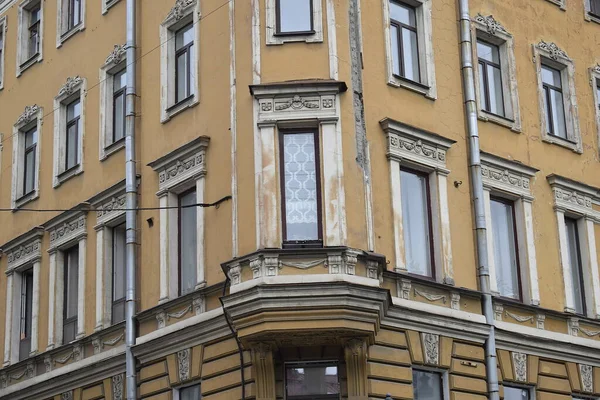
x,y
409,45
188,393
294,17
25,171
595,79
74,13
2,37
33,45
317,381
70,19
29,167
71,284
107,4
516,393
595,8
26,314
405,47
427,385
490,78
187,242
553,102
29,35
73,128
113,88
118,274
179,59
119,87
506,258
301,192
574,252
184,54
416,220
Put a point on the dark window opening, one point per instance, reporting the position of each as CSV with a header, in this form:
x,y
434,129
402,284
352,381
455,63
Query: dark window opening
x,y
553,102
405,42
118,123
294,17
72,134
26,314
574,250
118,274
490,78
29,161
184,51
314,381
427,385
187,242
71,289
506,255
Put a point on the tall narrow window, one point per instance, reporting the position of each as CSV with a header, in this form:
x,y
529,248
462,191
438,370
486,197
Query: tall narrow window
x,y
595,7
72,138
29,167
74,16
576,267
300,183
427,385
119,86
190,393
516,393
118,274
416,222
490,78
312,381
404,38
598,91
184,48
2,25
26,314
70,305
187,242
553,102
33,46
294,17
505,248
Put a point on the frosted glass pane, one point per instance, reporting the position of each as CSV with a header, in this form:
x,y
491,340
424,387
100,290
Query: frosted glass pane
x,y
558,114
182,77
395,49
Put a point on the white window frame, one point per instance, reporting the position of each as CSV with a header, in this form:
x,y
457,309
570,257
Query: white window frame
x,y
187,385
273,38
182,13
23,253
424,151
23,36
587,8
74,88
110,206
595,82
31,117
550,54
490,30
561,3
428,86
179,171
3,32
66,230
575,200
283,105
107,5
115,62
445,378
62,34
511,180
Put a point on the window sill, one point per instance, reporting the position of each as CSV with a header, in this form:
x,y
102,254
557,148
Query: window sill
x,y
68,174
29,197
399,82
275,39
112,149
499,120
290,34
592,17
183,105
37,57
573,146
69,34
301,244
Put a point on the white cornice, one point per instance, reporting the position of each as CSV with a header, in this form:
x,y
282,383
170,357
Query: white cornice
x,y
24,249
507,175
573,196
66,228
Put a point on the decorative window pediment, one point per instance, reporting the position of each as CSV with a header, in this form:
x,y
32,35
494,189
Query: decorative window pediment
x,y
66,229
509,176
575,197
24,249
112,102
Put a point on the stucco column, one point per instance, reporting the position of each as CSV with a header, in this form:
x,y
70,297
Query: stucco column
x,y
592,257
355,354
164,248
565,261
51,299
490,240
262,362
200,279
531,255
445,233
267,193
400,265
35,306
99,278
8,317
81,289
333,184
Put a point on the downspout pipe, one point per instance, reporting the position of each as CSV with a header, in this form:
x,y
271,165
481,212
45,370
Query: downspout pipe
x,y
483,272
131,204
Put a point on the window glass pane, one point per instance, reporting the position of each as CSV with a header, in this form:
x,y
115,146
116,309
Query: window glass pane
x,y
190,393
73,110
415,221
575,260
403,13
76,12
187,243
488,52
427,385
482,88
595,7
29,172
495,87
597,89
182,76
505,254
513,393
395,49
184,36
310,380
26,306
119,262
119,117
119,80
295,15
300,179
30,138
71,281
551,76
410,55
72,146
558,114
34,15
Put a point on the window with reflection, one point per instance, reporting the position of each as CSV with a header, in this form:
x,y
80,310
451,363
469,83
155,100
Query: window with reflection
x,y
315,381
574,249
33,43
70,299
187,242
184,48
404,38
74,13
118,274
427,385
294,17
119,86
26,313
516,393
490,78
505,248
300,185
72,137
416,222
29,166
595,8
554,106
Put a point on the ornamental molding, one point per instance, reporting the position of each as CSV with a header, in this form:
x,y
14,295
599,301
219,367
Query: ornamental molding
x,y
76,354
264,266
519,318
490,24
28,372
573,325
179,314
573,196
302,264
116,55
588,332
455,301
67,395
71,86
552,51
99,344
117,387
198,305
28,115
507,175
404,289
161,319
180,9
520,366
431,348
110,209
26,253
430,296
541,319
63,233
183,364
587,378
498,312
3,380
344,263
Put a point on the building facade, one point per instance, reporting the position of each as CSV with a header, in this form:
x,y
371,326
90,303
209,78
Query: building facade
x,y
336,254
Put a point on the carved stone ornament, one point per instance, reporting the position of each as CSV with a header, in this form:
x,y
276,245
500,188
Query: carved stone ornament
x,y
297,103
67,230
70,86
97,344
161,319
193,164
198,305
3,380
519,318
301,264
455,301
571,196
430,296
117,387
573,324
520,366
183,364
372,269
541,319
67,395
48,363
404,289
431,347
180,313
417,147
178,10
28,372
491,25
235,274
116,56
554,52
506,177
115,205
24,253
28,115
588,332
587,378
498,311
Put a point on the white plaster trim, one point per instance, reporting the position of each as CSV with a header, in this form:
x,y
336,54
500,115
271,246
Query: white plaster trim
x,y
595,82
426,49
8,327
178,326
256,67
23,62
107,5
589,258
115,62
182,13
67,230
3,31
557,58
574,197
233,130
73,88
586,12
490,30
62,35
31,116
561,3
332,41
271,25
438,310
24,250
52,317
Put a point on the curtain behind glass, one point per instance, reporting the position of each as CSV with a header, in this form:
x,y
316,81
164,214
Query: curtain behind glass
x,y
505,253
187,243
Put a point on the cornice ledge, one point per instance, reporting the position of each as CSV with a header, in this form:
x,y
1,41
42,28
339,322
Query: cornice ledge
x,y
513,166
390,125
298,87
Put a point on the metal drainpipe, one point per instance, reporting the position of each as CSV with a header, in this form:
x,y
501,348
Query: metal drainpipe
x,y
477,194
131,203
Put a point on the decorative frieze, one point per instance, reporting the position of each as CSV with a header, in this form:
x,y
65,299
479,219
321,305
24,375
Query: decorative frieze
x,y
519,318
183,364
28,115
588,333
180,313
587,378
24,254
431,297
27,372
520,366
507,175
553,51
110,209
570,198
117,55
404,289
98,343
69,230
498,311
431,348
491,25
455,301
573,196
67,395
540,319
71,85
